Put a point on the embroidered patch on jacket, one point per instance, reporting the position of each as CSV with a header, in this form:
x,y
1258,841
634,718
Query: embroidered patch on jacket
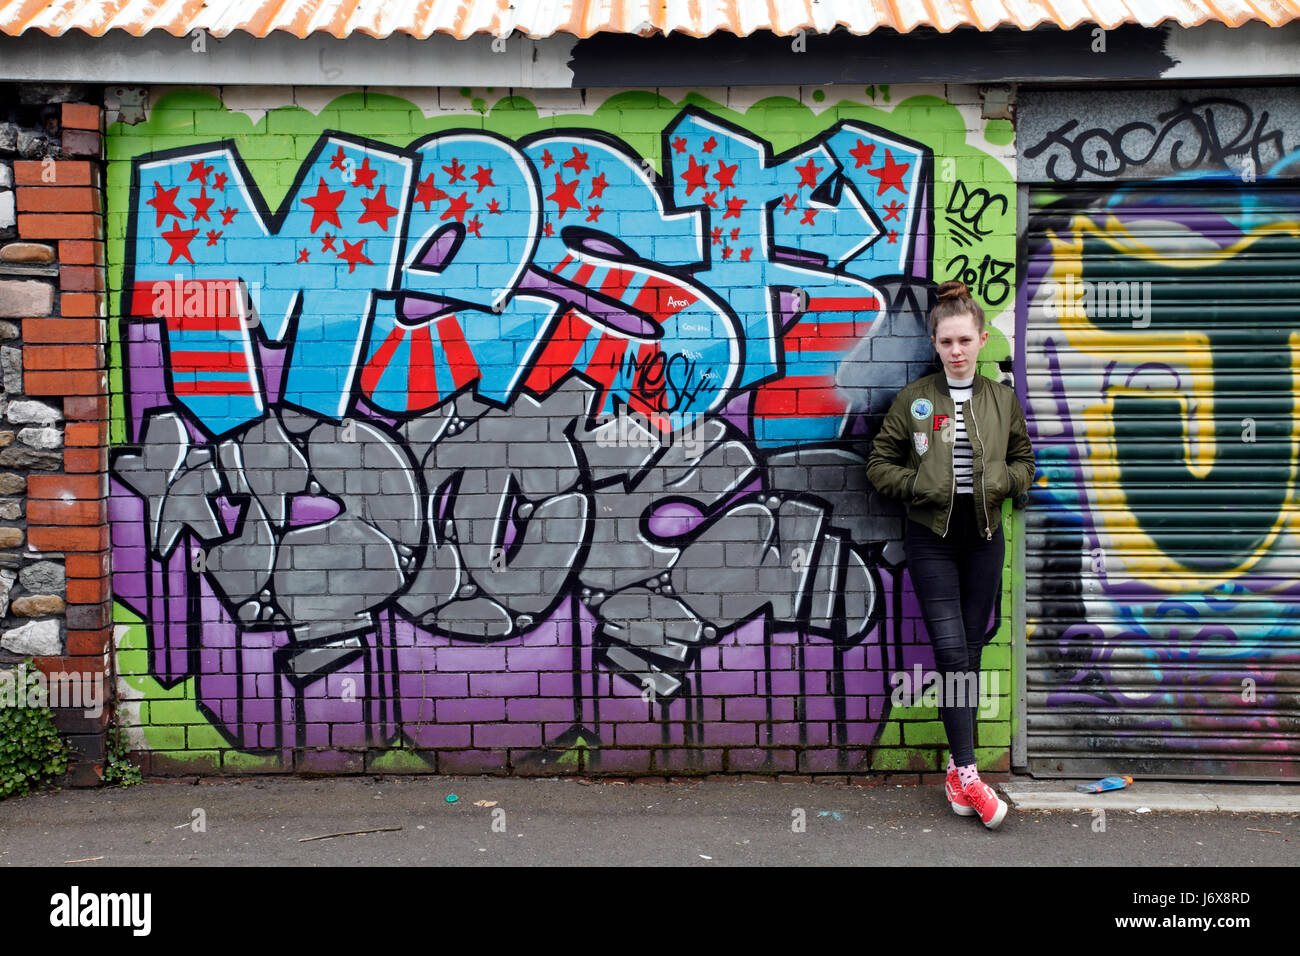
x,y
921,408
940,421
922,442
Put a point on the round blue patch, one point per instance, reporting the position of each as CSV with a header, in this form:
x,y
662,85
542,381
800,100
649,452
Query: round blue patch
x,y
921,408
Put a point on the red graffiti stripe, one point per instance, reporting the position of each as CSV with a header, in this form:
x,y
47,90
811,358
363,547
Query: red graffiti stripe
x,y
799,396
825,336
561,349
459,355
604,365
374,370
209,362
422,390
185,387
616,283
662,299
584,274
204,323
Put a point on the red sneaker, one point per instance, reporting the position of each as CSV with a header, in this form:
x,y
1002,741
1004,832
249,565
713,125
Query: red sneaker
x,y
956,796
987,804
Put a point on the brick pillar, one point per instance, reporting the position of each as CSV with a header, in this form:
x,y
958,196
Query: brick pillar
x,y
60,209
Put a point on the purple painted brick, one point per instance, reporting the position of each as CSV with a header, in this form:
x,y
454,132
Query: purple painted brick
x,y
475,659
472,761
604,760
540,709
555,685
503,685
638,735
507,735
435,685
788,735
439,736
540,659
419,710
752,759
471,709
828,761
726,683
755,708
622,709
317,735
743,658
689,760
730,735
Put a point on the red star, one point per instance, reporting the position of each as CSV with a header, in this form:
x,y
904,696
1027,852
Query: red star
x,y
219,181
164,203
227,215
213,236
808,174
577,162
377,209
745,254
726,252
302,255
735,234
548,230
717,235
892,209
593,213
695,175
788,206
809,217
327,242
457,208
733,208
891,174
710,200
724,174
709,145
353,255
494,207
179,239
338,161
199,171
679,144
598,185
862,153
427,193
484,179
201,205
365,176
325,206
455,172
474,225
547,159
563,195
893,235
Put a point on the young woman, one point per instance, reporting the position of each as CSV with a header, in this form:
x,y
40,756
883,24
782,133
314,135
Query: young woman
x,y
953,445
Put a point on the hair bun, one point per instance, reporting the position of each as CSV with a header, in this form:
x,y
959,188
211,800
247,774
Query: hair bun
x,y
953,289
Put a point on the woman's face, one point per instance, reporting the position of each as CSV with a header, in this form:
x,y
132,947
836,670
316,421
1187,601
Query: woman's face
x,y
958,341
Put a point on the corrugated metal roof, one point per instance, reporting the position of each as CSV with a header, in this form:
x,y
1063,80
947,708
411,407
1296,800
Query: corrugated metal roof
x,y
583,18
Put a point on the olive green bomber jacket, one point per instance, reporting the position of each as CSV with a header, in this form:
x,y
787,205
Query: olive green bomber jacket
x,y
911,456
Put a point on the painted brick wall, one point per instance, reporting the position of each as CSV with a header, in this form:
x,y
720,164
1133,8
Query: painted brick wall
x,y
54,581
519,431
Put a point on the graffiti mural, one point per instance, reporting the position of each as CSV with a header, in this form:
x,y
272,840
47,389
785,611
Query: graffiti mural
x,y
481,443
1160,351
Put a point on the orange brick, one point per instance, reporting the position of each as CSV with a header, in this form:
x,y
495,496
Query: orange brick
x,y
60,226
68,538
81,116
85,408
81,252
80,461
85,434
87,590
87,565
89,642
44,512
58,199
89,664
64,330
43,358
81,279
65,383
31,172
75,305
58,487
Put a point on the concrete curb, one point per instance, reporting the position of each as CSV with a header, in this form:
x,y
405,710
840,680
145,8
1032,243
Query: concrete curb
x,y
1204,798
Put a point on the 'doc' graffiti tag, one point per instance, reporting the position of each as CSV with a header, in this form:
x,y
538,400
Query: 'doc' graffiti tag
x,y
529,395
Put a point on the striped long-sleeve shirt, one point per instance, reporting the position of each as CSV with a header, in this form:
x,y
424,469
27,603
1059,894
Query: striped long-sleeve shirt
x,y
962,466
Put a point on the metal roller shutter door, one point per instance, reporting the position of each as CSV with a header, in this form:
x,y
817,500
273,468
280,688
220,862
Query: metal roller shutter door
x,y
1162,544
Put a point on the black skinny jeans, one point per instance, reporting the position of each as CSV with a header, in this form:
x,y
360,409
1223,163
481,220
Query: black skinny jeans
x,y
956,582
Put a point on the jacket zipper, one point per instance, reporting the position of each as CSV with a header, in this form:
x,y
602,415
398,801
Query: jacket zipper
x,y
952,493
988,532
